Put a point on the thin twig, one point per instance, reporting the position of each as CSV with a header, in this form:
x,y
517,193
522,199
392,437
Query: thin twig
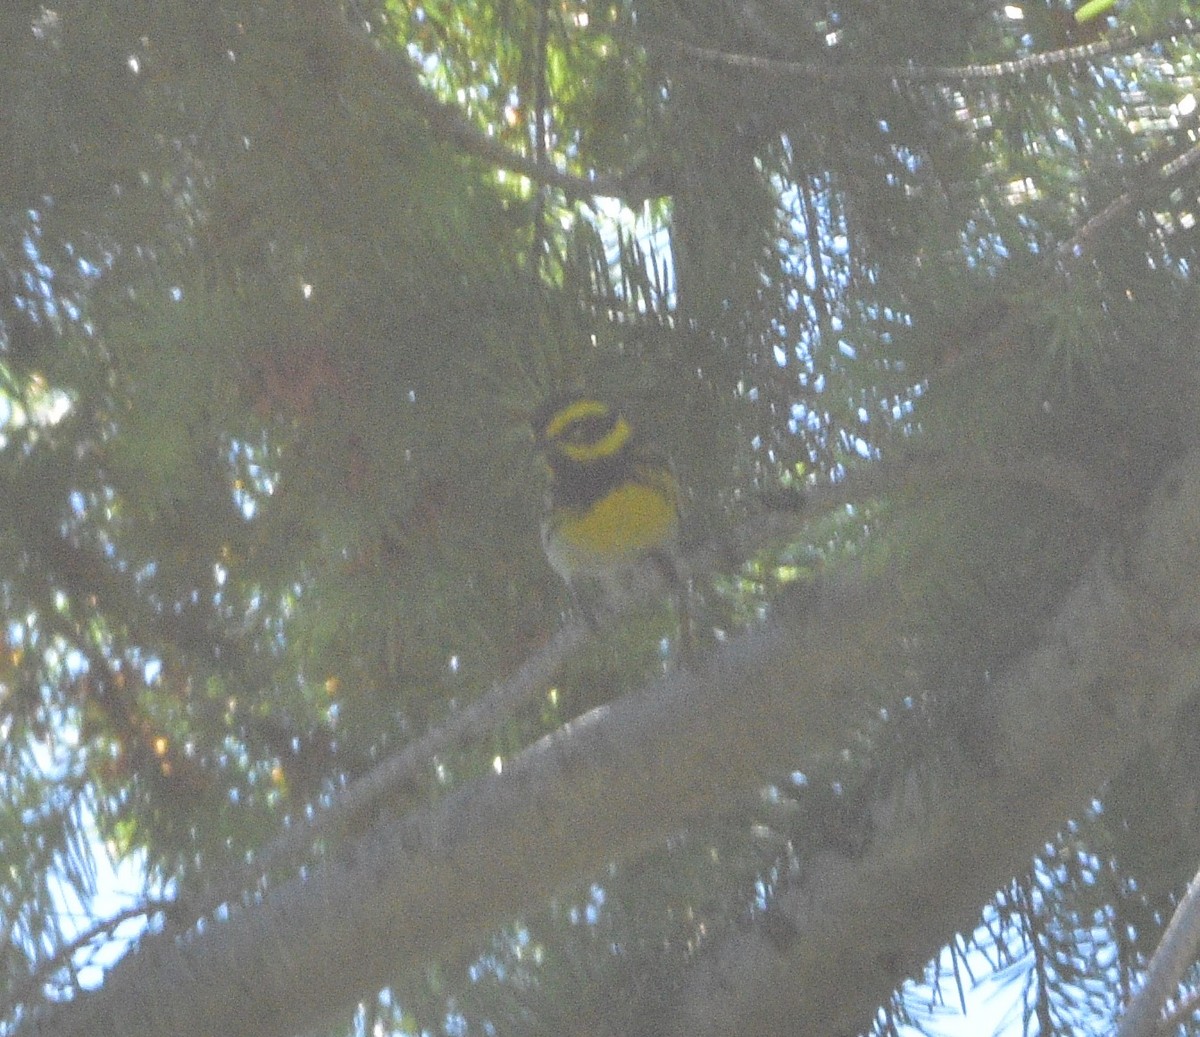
x,y
1078,244
394,68
62,956
828,72
541,138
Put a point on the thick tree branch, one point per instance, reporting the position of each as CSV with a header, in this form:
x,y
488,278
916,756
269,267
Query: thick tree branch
x,y
605,786
352,807
348,807
1106,681
1109,675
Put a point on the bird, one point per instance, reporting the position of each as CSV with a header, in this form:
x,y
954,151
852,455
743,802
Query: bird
x,y
612,521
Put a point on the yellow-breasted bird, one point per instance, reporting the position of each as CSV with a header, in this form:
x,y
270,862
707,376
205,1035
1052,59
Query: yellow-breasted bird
x,y
612,510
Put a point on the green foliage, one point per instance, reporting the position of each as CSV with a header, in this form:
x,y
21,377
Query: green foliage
x,y
272,328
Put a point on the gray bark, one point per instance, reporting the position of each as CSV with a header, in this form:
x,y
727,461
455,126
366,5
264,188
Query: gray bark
x,y
1106,680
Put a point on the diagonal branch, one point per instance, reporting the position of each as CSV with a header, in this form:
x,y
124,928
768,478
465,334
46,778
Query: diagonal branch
x,y
1107,680
356,806
1149,184
1110,673
1176,953
393,68
353,806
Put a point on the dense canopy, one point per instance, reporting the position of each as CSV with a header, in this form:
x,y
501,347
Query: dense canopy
x,y
904,291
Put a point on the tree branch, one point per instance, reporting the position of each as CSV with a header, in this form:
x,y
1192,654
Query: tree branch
x,y
365,797
608,784
1149,185
831,73
1176,953
1108,678
392,67
1112,670
356,805
61,958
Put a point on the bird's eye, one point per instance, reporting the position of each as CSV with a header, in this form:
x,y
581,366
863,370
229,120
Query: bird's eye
x,y
588,430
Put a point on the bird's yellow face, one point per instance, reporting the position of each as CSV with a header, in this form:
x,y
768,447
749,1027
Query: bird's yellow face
x,y
583,431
